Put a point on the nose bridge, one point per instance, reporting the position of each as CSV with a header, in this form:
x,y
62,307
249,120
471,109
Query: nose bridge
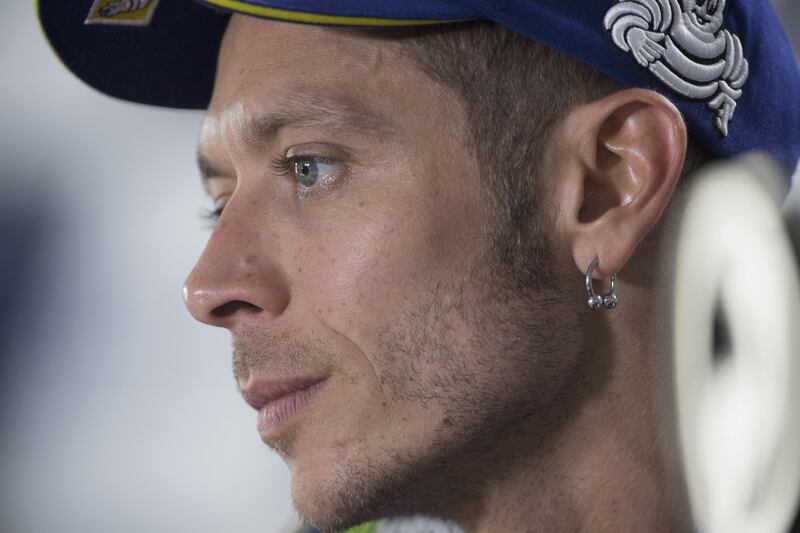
x,y
238,276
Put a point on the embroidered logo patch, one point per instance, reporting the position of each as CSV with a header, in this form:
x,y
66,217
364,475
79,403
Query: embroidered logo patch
x,y
683,43
130,12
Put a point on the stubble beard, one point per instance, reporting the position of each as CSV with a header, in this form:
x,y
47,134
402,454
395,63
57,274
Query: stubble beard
x,y
512,379
495,350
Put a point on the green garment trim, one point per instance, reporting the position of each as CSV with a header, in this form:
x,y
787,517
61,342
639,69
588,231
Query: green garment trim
x,y
369,527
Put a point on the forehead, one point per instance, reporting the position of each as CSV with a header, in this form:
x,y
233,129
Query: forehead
x,y
251,46
264,63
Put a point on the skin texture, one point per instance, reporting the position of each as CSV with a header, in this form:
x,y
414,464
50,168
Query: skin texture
x,y
450,388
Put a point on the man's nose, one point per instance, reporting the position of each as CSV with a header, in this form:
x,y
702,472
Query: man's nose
x,y
237,278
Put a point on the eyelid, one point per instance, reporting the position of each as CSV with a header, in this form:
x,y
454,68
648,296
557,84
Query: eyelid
x,y
324,150
221,201
220,188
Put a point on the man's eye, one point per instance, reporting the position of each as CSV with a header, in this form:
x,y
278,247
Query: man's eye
x,y
212,215
309,171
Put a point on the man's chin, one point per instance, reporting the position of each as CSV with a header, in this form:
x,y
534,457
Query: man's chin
x,y
334,493
335,500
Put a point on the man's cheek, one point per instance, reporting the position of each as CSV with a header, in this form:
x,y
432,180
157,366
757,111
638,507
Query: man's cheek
x,y
368,276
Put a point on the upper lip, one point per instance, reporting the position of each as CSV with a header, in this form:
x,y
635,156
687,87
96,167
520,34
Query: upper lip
x,y
258,392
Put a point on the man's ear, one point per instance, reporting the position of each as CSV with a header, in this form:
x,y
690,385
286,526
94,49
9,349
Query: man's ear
x,y
616,164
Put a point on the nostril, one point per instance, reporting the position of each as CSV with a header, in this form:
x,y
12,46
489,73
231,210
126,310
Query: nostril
x,y
230,308
219,292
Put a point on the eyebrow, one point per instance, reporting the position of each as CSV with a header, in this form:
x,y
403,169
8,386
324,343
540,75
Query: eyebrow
x,y
334,113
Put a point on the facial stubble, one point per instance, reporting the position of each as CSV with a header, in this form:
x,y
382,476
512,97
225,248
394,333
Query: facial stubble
x,y
496,363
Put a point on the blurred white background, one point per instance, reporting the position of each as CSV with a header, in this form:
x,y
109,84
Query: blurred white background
x,y
119,412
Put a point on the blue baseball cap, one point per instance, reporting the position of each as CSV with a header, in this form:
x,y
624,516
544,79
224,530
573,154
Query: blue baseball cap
x,y
726,64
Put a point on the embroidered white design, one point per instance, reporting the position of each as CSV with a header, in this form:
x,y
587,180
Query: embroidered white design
x,y
682,42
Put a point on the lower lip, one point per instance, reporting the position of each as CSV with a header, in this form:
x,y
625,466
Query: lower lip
x,y
274,417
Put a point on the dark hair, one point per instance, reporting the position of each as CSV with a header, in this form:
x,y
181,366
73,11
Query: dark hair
x,y
514,90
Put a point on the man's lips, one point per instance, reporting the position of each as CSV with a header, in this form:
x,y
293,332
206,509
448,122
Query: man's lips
x,y
277,400
258,392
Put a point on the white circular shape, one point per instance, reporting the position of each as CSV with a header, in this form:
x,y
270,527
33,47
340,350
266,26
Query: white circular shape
x,y
738,416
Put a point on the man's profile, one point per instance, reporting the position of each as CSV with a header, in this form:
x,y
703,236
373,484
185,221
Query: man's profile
x,y
404,218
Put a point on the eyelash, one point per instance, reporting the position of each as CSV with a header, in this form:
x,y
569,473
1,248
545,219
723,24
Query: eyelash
x,y
211,216
282,166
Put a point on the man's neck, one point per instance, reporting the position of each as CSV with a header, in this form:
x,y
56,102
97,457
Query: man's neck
x,y
614,466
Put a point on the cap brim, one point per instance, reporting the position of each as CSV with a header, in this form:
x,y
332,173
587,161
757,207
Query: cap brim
x,y
171,60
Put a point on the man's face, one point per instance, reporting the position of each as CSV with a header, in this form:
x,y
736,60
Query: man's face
x,y
352,256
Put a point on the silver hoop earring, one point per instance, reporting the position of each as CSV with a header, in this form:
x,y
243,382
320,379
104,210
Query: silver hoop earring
x,y
609,300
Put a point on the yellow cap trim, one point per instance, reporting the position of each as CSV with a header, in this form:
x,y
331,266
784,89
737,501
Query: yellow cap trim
x,y
46,39
316,18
